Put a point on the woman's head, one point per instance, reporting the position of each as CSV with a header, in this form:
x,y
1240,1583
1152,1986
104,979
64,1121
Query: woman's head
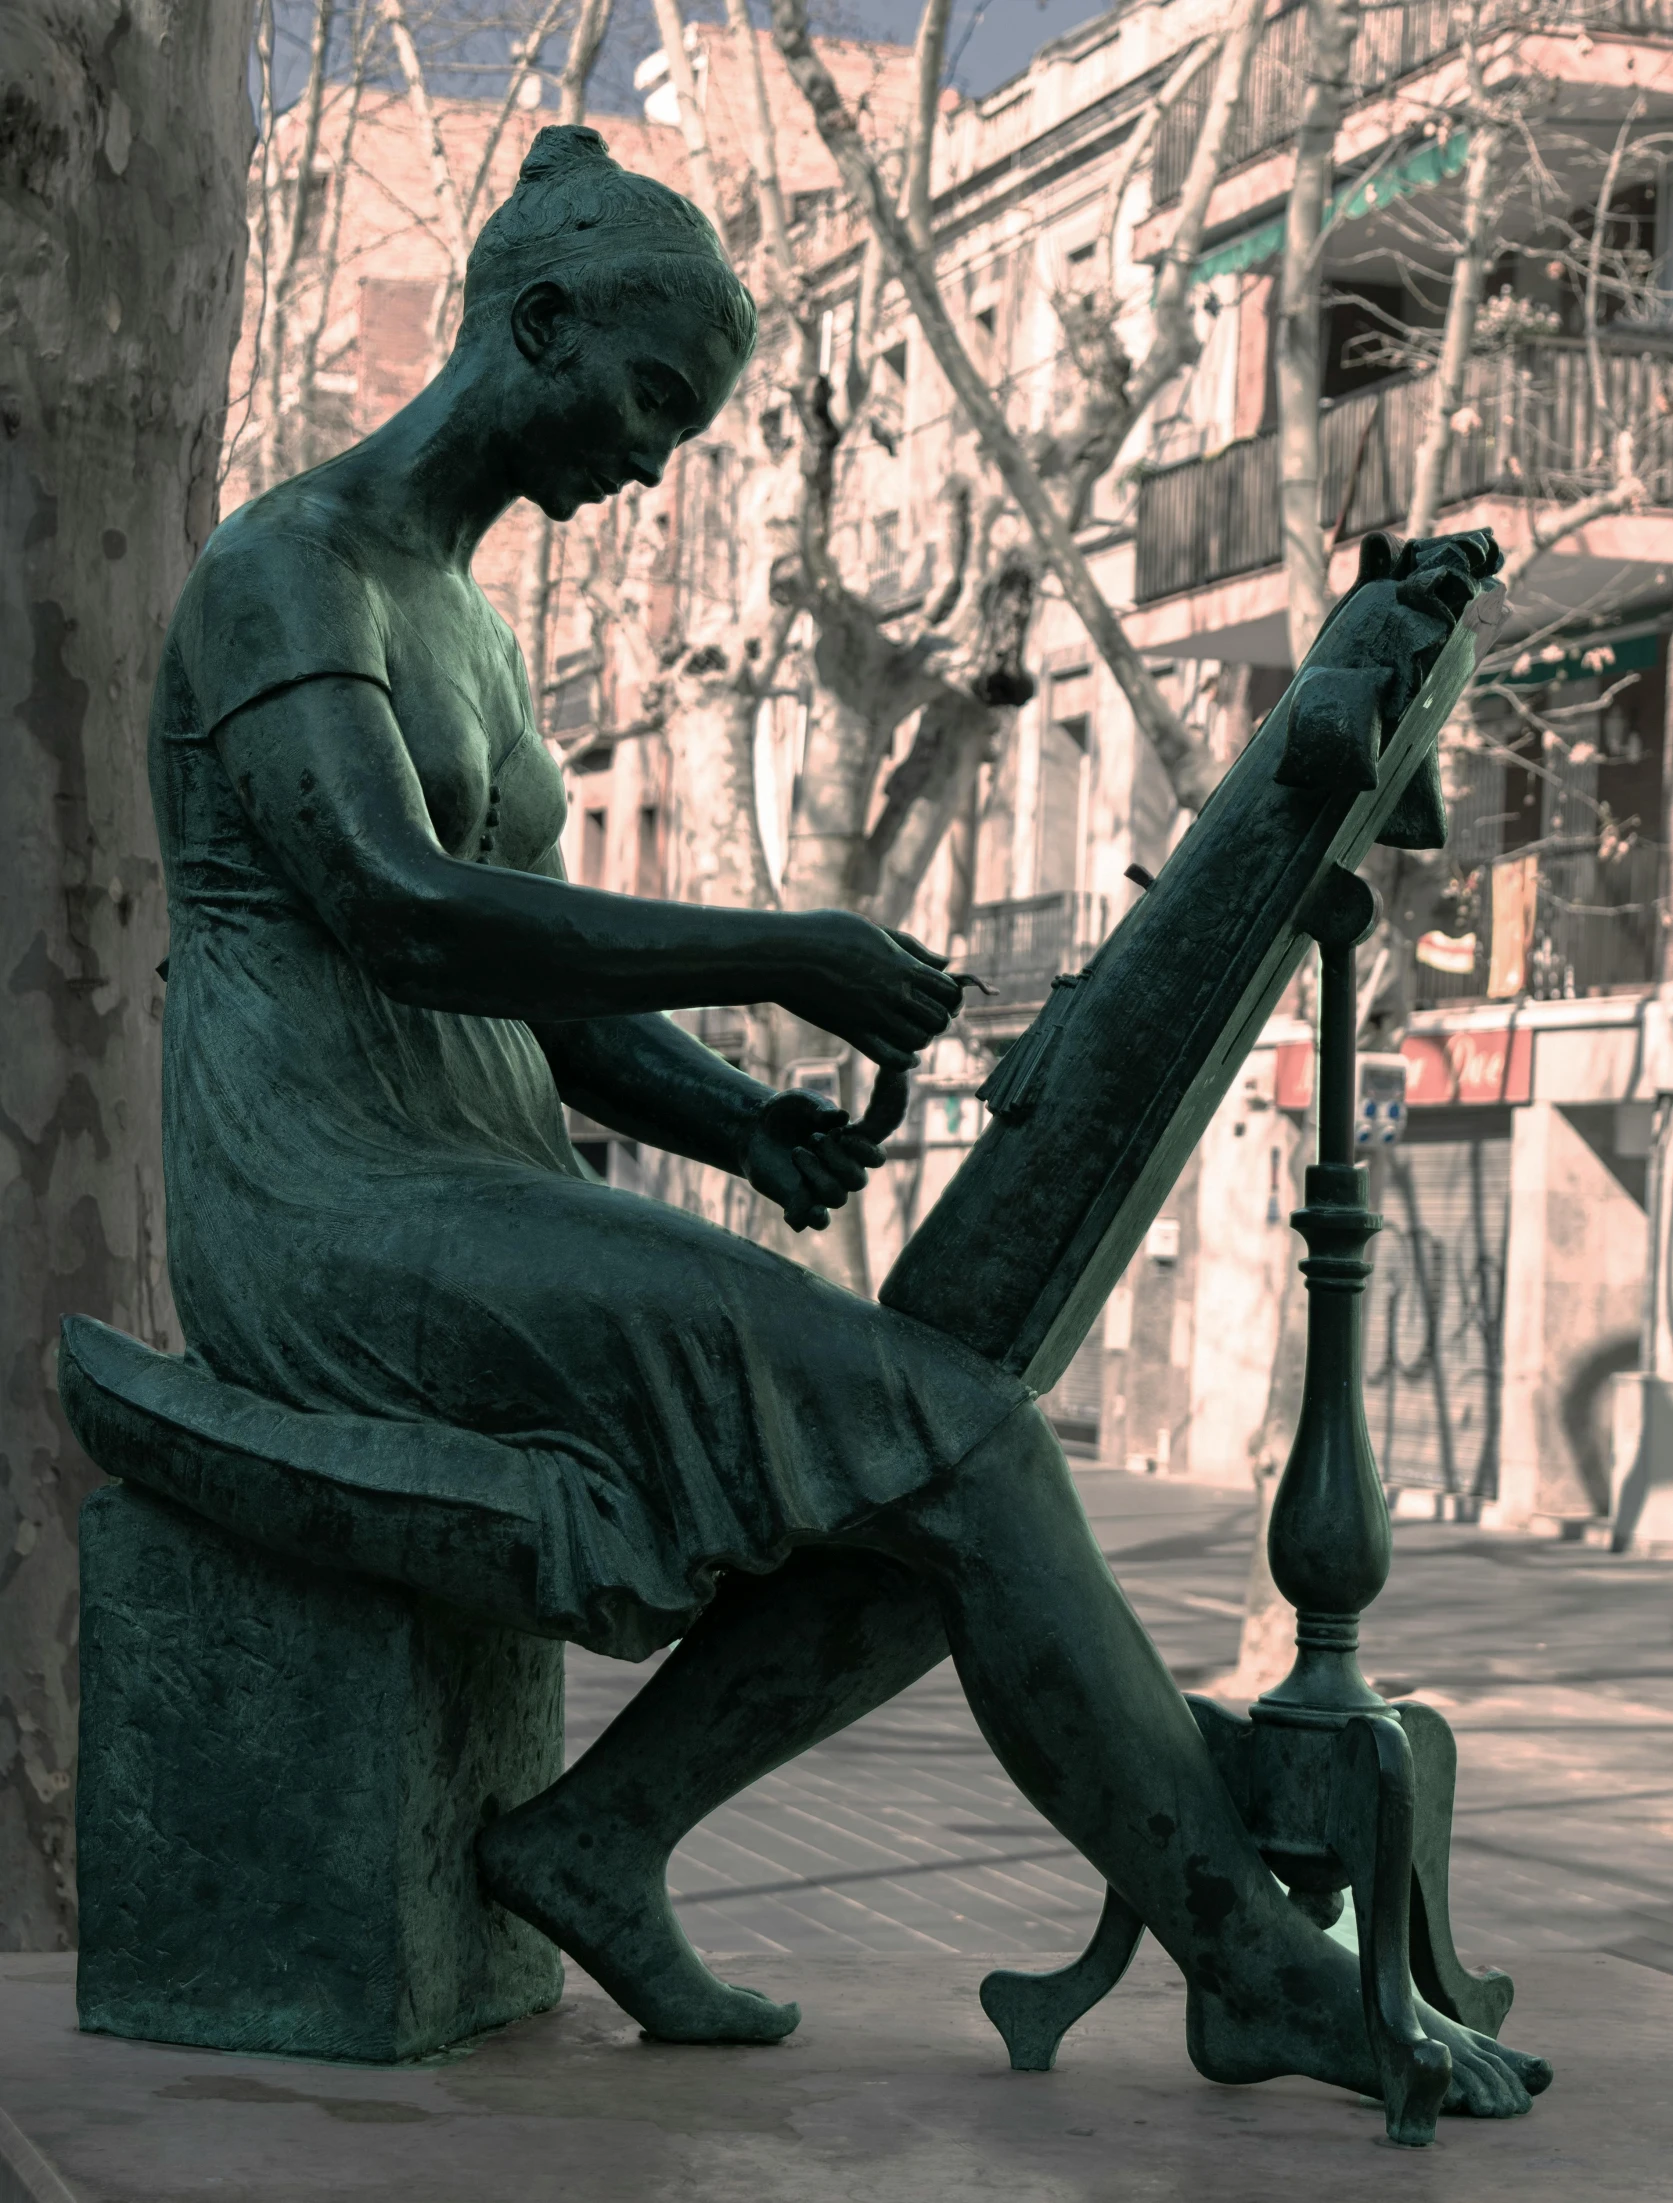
x,y
619,296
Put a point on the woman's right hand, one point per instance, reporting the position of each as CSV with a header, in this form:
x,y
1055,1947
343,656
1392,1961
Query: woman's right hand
x,y
882,992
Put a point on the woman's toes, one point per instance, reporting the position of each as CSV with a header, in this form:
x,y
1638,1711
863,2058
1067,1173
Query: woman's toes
x,y
1534,2073
1484,2087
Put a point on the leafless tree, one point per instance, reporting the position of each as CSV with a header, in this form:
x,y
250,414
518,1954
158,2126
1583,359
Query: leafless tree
x,y
1127,390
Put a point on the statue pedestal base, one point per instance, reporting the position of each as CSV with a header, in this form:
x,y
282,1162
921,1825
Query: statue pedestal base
x,y
283,1772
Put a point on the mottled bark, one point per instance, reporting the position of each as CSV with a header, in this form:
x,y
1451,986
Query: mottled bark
x,y
125,150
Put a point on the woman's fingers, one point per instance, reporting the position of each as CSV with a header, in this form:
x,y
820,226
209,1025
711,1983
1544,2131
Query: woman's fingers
x,y
846,1168
823,1183
854,1143
915,947
909,1024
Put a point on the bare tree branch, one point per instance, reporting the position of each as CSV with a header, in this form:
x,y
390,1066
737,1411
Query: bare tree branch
x,y
1469,279
271,341
1192,770
424,115
535,580
1594,256
1139,141
1175,343
584,42
763,153
1330,30
927,57
1622,495
330,247
670,26
921,796
525,60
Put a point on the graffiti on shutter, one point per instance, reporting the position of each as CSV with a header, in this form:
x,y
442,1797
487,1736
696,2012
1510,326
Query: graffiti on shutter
x,y
1434,1317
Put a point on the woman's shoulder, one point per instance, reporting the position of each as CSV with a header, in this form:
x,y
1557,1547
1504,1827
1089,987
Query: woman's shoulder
x,y
286,590
297,535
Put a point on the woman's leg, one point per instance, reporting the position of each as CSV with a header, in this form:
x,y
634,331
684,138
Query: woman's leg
x,y
776,1664
1075,1700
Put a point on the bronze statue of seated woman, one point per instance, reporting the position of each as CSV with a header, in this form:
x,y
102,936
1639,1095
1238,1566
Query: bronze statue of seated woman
x,y
381,992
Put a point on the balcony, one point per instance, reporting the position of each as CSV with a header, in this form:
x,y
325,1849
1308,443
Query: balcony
x,y
1020,947
1539,436
1598,925
1392,43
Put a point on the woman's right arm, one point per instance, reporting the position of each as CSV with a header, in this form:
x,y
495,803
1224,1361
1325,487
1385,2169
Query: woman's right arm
x,y
326,778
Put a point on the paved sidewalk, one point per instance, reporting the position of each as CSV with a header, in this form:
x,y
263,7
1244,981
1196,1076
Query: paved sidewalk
x,y
1554,1664
876,1877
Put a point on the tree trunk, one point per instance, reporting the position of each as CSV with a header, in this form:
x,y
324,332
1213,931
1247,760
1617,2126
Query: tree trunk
x,y
827,827
123,169
1331,27
1266,1648
1463,308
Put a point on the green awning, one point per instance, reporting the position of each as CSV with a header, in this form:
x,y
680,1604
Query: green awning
x,y
1604,660
1420,171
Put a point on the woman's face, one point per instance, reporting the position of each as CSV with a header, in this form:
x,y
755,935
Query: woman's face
x,y
607,403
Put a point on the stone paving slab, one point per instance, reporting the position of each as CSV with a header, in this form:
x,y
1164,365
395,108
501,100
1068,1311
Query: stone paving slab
x,y
893,2090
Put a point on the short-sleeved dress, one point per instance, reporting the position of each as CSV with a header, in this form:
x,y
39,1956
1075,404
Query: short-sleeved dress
x,y
377,1208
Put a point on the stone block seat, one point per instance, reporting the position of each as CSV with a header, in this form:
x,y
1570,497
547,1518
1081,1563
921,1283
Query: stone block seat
x,y
313,1660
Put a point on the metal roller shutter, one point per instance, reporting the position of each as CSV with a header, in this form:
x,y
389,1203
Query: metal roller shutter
x,y
1434,1330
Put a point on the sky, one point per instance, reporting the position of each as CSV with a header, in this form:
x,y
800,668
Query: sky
x,y
990,42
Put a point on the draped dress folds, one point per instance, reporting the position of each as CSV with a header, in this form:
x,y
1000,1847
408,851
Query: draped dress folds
x,y
376,1208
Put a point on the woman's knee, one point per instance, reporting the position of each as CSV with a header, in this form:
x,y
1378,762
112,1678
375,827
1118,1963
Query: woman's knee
x,y
1015,1480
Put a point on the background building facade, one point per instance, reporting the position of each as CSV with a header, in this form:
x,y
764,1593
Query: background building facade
x,y
1520,976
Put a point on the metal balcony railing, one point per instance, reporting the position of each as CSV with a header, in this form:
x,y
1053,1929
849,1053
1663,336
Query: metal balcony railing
x,y
1598,928
1020,947
1392,43
1539,434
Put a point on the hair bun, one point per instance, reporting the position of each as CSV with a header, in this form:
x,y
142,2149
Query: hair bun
x,y
560,149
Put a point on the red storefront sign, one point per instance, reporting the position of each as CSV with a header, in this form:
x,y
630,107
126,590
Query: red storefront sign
x,y
1482,1064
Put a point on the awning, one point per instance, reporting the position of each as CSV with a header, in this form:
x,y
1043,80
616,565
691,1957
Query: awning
x,y
1604,659
1419,171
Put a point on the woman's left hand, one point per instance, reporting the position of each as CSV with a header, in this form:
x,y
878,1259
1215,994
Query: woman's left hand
x,y
803,1153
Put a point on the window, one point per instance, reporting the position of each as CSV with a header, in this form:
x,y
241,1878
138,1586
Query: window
x,y
885,555
595,833
647,867
1364,341
572,697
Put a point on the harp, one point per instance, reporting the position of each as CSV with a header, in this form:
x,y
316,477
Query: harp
x,y
1095,1109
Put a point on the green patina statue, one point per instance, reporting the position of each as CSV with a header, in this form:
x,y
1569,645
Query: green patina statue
x,y
380,984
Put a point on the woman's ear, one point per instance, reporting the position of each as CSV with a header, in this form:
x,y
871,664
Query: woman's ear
x,y
538,315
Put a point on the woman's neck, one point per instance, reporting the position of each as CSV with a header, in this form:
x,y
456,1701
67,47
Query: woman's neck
x,y
433,477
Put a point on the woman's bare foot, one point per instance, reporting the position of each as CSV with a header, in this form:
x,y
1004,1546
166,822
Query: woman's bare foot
x,y
1311,2021
610,1910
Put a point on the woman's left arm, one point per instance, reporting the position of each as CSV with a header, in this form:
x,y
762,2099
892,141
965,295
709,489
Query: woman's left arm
x,y
649,1078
